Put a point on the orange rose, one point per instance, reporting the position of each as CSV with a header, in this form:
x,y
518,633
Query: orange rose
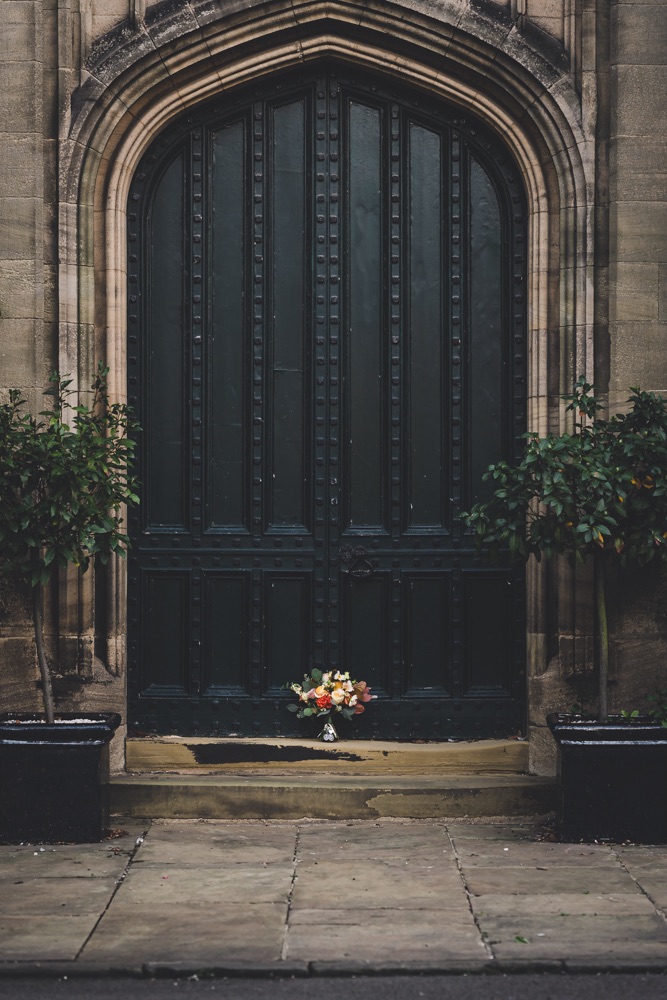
x,y
324,701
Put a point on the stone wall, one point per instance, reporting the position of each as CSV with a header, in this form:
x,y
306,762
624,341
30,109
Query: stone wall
x,y
638,197
598,287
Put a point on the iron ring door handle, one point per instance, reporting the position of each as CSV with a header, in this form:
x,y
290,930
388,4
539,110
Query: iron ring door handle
x,y
356,561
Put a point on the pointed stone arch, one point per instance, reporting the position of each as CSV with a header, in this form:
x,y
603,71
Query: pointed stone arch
x,y
141,78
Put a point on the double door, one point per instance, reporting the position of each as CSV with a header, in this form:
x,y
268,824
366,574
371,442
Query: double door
x,y
325,350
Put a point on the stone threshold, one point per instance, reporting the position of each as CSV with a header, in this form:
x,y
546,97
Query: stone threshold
x,y
294,756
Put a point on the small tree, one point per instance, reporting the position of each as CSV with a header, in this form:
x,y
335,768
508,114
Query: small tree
x,y
62,489
598,492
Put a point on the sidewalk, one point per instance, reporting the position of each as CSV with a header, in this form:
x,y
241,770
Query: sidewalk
x,y
173,897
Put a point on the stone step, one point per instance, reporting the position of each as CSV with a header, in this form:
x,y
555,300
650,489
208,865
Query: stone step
x,y
216,796
186,777
241,756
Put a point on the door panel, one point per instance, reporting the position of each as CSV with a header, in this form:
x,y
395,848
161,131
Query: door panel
x,y
325,350
226,607
426,358
227,347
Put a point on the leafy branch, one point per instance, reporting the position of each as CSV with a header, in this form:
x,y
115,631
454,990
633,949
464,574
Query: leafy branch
x,y
600,491
64,479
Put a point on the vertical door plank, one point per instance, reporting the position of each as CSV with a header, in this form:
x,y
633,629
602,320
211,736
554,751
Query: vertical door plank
x,y
365,379
425,430
289,420
167,361
487,321
226,470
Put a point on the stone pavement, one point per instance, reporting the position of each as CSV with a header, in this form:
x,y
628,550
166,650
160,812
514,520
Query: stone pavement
x,y
172,897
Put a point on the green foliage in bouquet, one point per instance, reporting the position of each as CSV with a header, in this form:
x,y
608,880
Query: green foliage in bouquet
x,y
332,691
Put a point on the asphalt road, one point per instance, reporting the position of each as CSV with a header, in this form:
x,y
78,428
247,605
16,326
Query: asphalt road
x,y
543,986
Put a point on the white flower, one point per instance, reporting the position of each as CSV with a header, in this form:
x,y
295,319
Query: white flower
x,y
338,696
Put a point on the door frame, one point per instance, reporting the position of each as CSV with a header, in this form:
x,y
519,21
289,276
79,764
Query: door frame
x,y
527,94
482,688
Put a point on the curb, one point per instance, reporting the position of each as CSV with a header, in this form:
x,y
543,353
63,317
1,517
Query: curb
x,y
302,970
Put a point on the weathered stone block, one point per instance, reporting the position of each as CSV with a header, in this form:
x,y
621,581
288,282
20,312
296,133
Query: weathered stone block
x,y
639,355
20,229
640,230
21,290
18,675
20,166
633,292
17,37
20,97
18,352
640,100
547,15
639,34
542,751
640,167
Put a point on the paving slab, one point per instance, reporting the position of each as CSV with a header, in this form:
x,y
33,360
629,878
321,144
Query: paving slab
x,y
561,904
235,885
641,861
202,934
206,856
214,854
375,885
218,842
531,855
369,840
479,831
55,897
538,880
655,887
602,938
102,860
26,938
653,858
352,916
381,937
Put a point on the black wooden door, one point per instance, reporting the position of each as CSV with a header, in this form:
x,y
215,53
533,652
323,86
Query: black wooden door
x,y
326,331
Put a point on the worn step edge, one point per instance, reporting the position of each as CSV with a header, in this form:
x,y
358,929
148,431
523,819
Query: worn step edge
x,y
363,757
177,796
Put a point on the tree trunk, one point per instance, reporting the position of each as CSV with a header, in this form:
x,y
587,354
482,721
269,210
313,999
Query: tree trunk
x,y
38,622
599,564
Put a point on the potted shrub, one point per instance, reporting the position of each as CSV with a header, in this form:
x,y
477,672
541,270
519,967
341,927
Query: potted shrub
x,y
599,494
63,482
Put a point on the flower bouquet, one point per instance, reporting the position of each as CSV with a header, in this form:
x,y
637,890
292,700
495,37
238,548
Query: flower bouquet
x,y
324,693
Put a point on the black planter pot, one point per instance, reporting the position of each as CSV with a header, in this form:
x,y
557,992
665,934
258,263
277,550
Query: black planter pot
x,y
612,779
54,778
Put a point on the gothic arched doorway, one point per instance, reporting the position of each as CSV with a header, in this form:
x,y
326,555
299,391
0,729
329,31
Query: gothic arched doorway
x,y
326,349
